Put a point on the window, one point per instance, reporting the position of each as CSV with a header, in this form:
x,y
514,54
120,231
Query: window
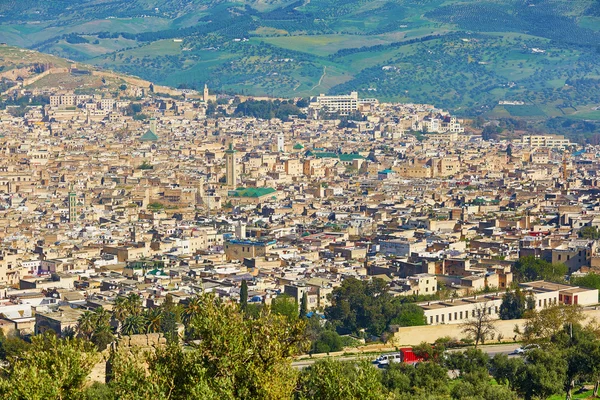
x,y
455,315
449,316
461,317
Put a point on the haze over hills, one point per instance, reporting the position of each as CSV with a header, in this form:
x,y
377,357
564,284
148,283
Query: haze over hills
x,y
466,56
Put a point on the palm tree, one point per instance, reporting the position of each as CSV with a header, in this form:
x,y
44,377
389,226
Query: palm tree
x,y
133,324
120,309
102,317
134,304
191,309
153,319
86,324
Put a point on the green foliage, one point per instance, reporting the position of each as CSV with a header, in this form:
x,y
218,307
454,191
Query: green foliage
x,y
268,109
514,304
140,117
542,325
530,269
422,379
589,232
286,306
244,296
145,165
11,346
468,361
360,305
156,206
75,39
333,380
304,305
51,369
590,280
409,315
95,326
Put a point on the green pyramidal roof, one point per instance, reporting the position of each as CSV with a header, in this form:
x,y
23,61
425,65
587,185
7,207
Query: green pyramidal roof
x,y
149,136
251,192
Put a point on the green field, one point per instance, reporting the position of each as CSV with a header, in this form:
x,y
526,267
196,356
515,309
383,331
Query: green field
x,y
462,55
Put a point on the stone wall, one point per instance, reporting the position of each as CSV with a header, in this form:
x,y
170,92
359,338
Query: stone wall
x,y
414,335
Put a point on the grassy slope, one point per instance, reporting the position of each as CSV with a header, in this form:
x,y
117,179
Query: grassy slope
x,y
497,69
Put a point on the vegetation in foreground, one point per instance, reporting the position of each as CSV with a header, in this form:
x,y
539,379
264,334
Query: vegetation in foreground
x,y
232,355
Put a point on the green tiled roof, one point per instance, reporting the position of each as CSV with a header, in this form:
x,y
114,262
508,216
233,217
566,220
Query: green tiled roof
x,y
350,157
149,136
252,192
341,157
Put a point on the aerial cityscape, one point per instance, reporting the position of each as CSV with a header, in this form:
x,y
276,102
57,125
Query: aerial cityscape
x,y
279,222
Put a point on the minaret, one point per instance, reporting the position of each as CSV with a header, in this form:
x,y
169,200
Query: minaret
x,y
153,125
565,174
72,205
230,164
206,93
280,143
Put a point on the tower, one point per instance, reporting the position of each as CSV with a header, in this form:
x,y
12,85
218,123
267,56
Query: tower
x,y
153,125
240,230
206,94
565,173
72,205
280,143
230,164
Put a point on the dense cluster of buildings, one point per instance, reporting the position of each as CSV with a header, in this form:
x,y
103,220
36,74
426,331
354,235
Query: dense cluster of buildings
x,y
96,203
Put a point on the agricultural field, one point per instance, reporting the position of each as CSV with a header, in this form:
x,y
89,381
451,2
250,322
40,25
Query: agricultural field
x,y
462,55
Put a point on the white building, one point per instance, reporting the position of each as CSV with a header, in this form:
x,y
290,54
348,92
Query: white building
x,y
550,141
545,294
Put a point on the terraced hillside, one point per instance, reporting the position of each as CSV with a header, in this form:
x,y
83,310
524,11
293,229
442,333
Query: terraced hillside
x,y
466,55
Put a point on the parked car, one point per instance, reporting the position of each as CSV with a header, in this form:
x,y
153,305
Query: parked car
x,y
525,349
405,355
386,359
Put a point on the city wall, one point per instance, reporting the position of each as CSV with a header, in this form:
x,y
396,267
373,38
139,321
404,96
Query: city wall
x,y
413,335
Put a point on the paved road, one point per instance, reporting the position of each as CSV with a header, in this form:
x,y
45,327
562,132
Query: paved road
x,y
491,350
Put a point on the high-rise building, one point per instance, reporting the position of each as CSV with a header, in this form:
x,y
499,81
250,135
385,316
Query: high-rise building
x,y
230,165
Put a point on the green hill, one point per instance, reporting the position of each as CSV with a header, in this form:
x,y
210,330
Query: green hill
x,y
462,55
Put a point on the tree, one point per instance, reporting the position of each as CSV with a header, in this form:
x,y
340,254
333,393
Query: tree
x,y
589,232
51,368
506,370
153,319
304,305
544,374
357,305
133,324
590,280
250,358
530,268
95,327
540,326
244,296
480,327
514,304
12,346
286,306
332,380
409,314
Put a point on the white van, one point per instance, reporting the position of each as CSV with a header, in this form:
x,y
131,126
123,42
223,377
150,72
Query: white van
x,y
386,359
